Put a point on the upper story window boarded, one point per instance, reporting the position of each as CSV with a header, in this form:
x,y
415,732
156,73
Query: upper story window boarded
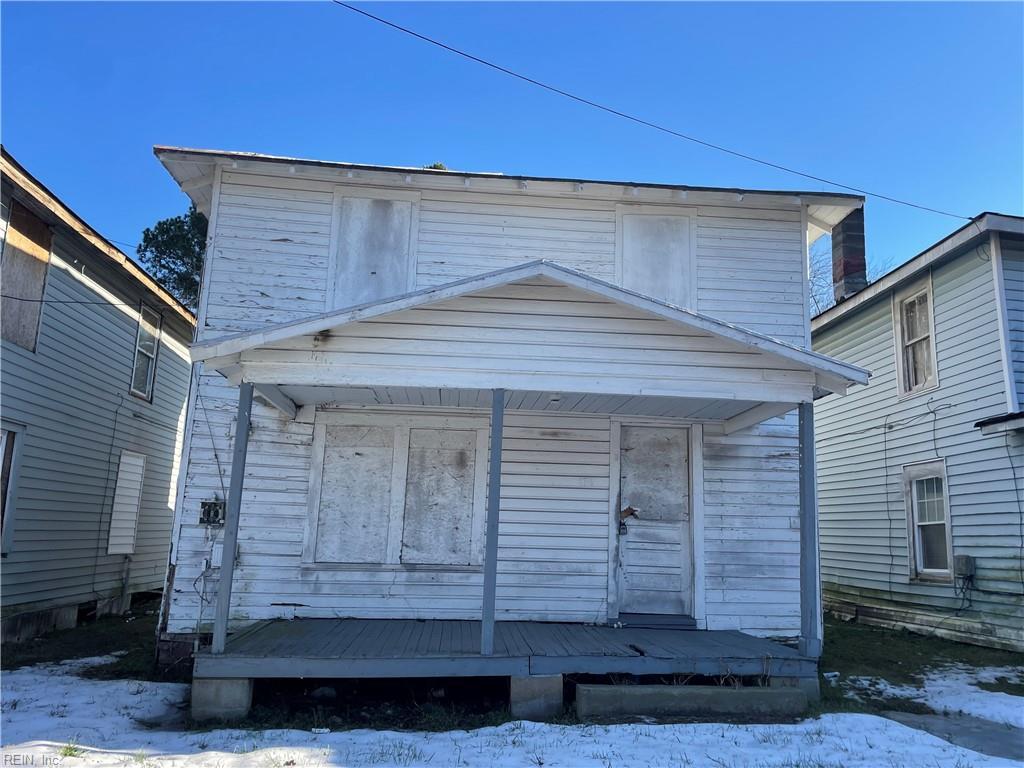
x,y
26,257
656,256
374,235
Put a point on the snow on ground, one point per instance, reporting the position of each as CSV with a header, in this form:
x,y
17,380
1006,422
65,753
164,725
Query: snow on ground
x,y
47,707
952,689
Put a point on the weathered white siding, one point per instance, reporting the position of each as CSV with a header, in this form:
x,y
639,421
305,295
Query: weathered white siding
x,y
72,396
272,250
752,529
553,540
1013,287
864,439
271,262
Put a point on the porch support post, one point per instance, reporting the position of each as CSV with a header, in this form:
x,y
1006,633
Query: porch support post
x,y
231,517
810,576
491,535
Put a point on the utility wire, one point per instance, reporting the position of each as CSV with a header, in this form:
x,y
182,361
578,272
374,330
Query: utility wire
x,y
639,120
68,301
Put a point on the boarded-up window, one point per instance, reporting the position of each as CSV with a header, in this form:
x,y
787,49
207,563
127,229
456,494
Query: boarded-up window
x,y
124,518
397,489
355,495
656,257
26,256
438,518
374,257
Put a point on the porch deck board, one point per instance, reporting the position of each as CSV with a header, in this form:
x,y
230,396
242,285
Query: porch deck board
x,y
446,648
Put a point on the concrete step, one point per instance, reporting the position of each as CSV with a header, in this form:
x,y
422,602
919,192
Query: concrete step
x,y
606,701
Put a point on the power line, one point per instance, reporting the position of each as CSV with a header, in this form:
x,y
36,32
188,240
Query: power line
x,y
67,301
639,120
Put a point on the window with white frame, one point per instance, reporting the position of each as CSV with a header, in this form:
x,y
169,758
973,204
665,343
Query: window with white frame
x,y
928,519
147,345
397,490
915,355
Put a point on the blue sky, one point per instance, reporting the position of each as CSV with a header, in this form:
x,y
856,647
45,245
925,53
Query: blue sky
x,y
915,100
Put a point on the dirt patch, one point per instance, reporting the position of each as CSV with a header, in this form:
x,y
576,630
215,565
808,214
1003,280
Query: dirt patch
x,y
131,637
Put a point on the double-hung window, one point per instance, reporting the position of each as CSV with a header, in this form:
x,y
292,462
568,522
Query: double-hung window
x,y
147,344
915,357
928,519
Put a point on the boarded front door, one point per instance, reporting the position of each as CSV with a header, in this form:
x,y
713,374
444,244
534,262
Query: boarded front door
x,y
654,540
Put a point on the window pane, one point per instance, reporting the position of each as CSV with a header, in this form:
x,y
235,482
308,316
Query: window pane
x,y
931,505
149,328
915,317
7,439
142,375
933,548
919,363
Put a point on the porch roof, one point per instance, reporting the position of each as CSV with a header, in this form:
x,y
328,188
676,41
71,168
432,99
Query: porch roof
x,y
555,338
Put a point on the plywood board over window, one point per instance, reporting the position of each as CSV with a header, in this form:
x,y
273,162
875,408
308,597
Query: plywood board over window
x,y
26,257
438,517
655,253
355,497
396,490
373,237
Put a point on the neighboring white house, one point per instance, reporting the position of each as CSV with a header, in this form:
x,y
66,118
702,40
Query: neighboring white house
x,y
94,372
921,473
484,397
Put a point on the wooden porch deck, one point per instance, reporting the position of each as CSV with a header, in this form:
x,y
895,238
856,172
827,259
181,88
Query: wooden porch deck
x,y
338,648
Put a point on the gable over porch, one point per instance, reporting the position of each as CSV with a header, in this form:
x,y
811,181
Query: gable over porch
x,y
534,340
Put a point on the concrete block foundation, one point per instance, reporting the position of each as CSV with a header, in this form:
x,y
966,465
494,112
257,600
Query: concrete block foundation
x,y
612,701
536,697
221,698
809,685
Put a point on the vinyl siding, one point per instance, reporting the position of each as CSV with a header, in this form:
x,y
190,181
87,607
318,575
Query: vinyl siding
x,y
1013,286
865,439
271,262
72,396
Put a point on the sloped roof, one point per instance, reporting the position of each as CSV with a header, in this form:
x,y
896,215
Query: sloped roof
x,y
22,179
241,342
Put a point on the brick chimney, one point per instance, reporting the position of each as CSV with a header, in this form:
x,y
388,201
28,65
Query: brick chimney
x,y
849,271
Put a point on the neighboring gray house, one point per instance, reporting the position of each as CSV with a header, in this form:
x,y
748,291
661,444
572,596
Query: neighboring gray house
x,y
503,426
95,377
921,473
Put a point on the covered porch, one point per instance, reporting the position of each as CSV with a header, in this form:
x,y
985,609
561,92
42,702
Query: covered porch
x,y
534,340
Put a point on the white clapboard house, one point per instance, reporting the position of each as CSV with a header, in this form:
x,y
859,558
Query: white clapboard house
x,y
473,424
921,473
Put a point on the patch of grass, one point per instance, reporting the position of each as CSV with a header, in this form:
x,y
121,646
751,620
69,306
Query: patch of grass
x,y
899,657
1003,685
133,636
71,750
